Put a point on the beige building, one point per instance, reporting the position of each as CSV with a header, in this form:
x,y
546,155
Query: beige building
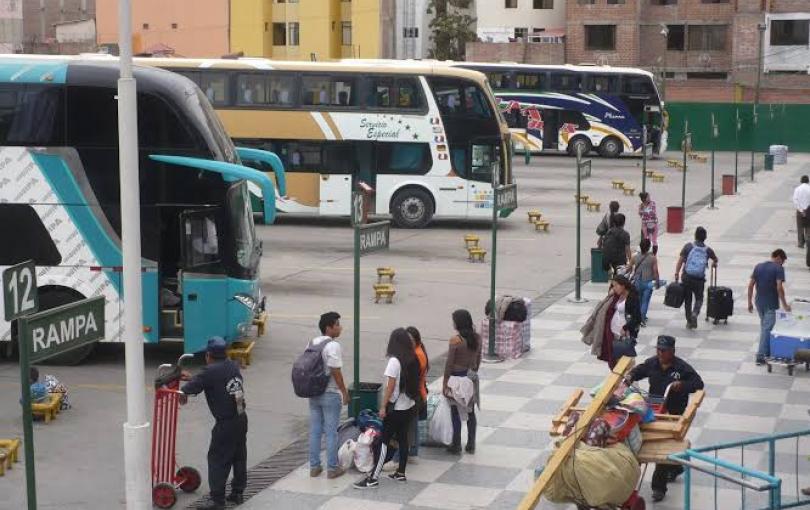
x,y
527,20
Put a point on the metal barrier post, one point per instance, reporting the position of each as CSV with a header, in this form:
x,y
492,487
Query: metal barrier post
x,y
736,148
687,146
687,486
578,269
644,158
714,141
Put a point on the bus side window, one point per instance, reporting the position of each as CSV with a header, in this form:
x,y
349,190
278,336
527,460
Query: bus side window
x,y
637,84
31,115
31,239
575,118
565,81
282,89
317,90
215,87
530,81
344,92
339,158
408,95
404,158
499,80
605,83
251,89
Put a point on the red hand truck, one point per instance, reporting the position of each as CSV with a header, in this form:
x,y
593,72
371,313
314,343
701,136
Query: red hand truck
x,y
166,476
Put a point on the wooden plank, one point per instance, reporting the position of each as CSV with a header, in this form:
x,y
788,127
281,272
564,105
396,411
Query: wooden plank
x,y
568,444
691,411
562,414
657,451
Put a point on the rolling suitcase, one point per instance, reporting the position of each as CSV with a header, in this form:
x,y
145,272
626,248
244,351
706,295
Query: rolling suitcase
x,y
719,300
674,295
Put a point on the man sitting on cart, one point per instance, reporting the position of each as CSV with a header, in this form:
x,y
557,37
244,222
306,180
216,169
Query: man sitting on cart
x,y
672,378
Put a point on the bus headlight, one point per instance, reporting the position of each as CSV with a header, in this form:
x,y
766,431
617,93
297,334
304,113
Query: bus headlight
x,y
248,301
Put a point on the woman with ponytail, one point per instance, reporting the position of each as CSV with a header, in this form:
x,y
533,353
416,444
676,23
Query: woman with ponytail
x,y
463,357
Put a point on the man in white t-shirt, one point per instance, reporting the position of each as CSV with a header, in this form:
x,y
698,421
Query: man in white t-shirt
x,y
324,410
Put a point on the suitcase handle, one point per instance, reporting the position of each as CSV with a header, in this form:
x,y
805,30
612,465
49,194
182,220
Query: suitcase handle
x,y
713,275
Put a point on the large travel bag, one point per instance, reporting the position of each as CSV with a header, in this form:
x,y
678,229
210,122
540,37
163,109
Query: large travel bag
x,y
675,295
719,300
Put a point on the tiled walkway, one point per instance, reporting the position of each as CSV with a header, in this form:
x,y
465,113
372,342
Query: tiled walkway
x,y
520,396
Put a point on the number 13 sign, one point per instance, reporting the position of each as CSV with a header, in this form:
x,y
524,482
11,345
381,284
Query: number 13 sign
x,y
20,295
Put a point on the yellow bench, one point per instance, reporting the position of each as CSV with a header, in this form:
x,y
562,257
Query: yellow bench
x,y
12,447
471,241
593,206
629,190
657,177
534,215
542,225
384,290
581,198
650,173
617,184
477,254
261,323
702,159
48,410
673,163
385,272
242,352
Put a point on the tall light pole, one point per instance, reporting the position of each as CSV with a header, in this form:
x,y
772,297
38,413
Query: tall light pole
x,y
761,29
664,32
136,428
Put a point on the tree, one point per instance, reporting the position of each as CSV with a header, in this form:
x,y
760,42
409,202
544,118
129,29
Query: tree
x,y
451,28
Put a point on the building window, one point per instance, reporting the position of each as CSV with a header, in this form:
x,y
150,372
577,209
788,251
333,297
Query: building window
x,y
664,2
521,33
707,76
279,34
675,37
266,26
346,32
292,30
146,26
615,2
543,4
586,2
410,32
790,32
510,4
600,37
715,1
707,37
174,25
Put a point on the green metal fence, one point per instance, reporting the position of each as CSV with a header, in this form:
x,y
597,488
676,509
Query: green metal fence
x,y
784,124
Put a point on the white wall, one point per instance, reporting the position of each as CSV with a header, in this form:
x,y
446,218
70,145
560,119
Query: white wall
x,y
785,58
77,31
496,22
412,14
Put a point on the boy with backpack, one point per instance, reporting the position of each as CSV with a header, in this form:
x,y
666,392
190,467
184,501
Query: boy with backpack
x,y
693,260
616,245
317,376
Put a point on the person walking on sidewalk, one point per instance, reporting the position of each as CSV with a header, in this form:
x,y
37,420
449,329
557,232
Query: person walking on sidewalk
x,y
801,201
693,260
225,394
667,370
645,276
607,222
463,360
649,220
400,394
769,280
624,319
616,245
324,410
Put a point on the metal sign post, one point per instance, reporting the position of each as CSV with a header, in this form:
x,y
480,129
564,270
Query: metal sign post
x,y
714,141
643,159
753,137
737,127
21,297
687,146
582,167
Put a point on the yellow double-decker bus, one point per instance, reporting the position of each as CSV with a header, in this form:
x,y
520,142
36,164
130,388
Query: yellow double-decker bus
x,y
427,138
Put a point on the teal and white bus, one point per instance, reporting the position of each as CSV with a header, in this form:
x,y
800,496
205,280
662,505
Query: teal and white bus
x,y
59,200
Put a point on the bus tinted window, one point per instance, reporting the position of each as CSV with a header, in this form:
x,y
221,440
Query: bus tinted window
x,y
637,85
565,81
31,115
31,239
391,92
460,99
215,87
339,158
251,89
500,80
602,83
159,126
282,89
403,158
325,90
92,117
531,81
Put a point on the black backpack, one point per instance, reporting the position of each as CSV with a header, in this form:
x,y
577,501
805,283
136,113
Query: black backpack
x,y
613,246
309,376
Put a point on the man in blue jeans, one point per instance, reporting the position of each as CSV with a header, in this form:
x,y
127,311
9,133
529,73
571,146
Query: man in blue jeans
x,y
324,410
769,280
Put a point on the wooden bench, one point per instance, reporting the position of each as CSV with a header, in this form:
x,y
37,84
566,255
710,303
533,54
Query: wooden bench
x,y
581,198
702,159
617,184
650,173
593,206
628,190
241,352
471,241
656,177
12,446
261,323
385,272
48,410
384,291
478,254
534,215
542,225
673,163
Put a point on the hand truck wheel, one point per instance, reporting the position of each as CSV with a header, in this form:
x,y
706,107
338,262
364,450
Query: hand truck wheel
x,y
188,478
164,495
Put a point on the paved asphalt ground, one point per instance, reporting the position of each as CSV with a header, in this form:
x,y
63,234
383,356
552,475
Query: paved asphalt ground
x,y
307,269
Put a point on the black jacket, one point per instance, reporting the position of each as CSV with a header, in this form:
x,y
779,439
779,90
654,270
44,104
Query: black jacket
x,y
632,314
660,379
223,386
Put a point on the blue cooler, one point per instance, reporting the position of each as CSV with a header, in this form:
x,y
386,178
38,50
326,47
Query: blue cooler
x,y
791,332
785,347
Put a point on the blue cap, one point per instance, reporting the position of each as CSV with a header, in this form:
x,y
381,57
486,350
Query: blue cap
x,y
216,347
666,342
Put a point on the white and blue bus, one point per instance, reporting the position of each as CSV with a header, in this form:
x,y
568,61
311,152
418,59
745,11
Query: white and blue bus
x,y
60,200
569,108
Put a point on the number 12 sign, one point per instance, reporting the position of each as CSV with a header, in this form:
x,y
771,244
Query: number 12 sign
x,y
20,296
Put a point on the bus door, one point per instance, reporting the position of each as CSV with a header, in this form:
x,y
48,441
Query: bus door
x,y
339,166
551,128
484,158
203,287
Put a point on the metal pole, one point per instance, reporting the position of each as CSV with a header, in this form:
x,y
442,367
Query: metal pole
x,y
714,141
136,429
491,357
761,29
753,137
687,141
28,429
356,393
736,148
643,159
578,269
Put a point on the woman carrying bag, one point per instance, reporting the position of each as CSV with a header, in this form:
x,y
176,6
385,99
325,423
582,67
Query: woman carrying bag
x,y
463,361
622,322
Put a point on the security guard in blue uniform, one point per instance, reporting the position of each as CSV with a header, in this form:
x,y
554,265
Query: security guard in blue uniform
x,y
224,391
665,369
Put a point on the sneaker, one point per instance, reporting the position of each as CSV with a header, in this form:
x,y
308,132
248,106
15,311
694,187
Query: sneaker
x,y
455,450
658,496
335,473
367,483
235,497
398,477
315,472
470,448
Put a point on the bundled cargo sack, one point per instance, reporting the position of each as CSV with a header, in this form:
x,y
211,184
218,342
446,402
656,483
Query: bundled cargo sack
x,y
595,477
508,338
363,454
424,436
675,295
440,429
346,454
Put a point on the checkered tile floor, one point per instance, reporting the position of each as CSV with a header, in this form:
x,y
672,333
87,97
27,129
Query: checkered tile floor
x,y
520,396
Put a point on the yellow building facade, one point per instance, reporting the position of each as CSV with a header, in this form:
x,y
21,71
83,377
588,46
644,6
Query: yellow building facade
x,y
307,29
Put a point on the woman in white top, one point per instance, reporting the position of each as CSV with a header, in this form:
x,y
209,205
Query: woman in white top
x,y
400,393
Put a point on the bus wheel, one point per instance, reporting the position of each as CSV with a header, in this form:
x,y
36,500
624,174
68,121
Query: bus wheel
x,y
579,144
412,208
610,147
51,297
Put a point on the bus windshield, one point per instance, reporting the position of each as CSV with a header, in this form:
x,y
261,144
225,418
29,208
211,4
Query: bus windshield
x,y
210,125
243,231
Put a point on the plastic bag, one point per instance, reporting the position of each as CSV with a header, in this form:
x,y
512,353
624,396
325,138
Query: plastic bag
x,y
363,454
346,454
441,425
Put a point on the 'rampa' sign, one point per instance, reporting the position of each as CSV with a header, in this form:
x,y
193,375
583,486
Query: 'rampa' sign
x,y
374,237
64,328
